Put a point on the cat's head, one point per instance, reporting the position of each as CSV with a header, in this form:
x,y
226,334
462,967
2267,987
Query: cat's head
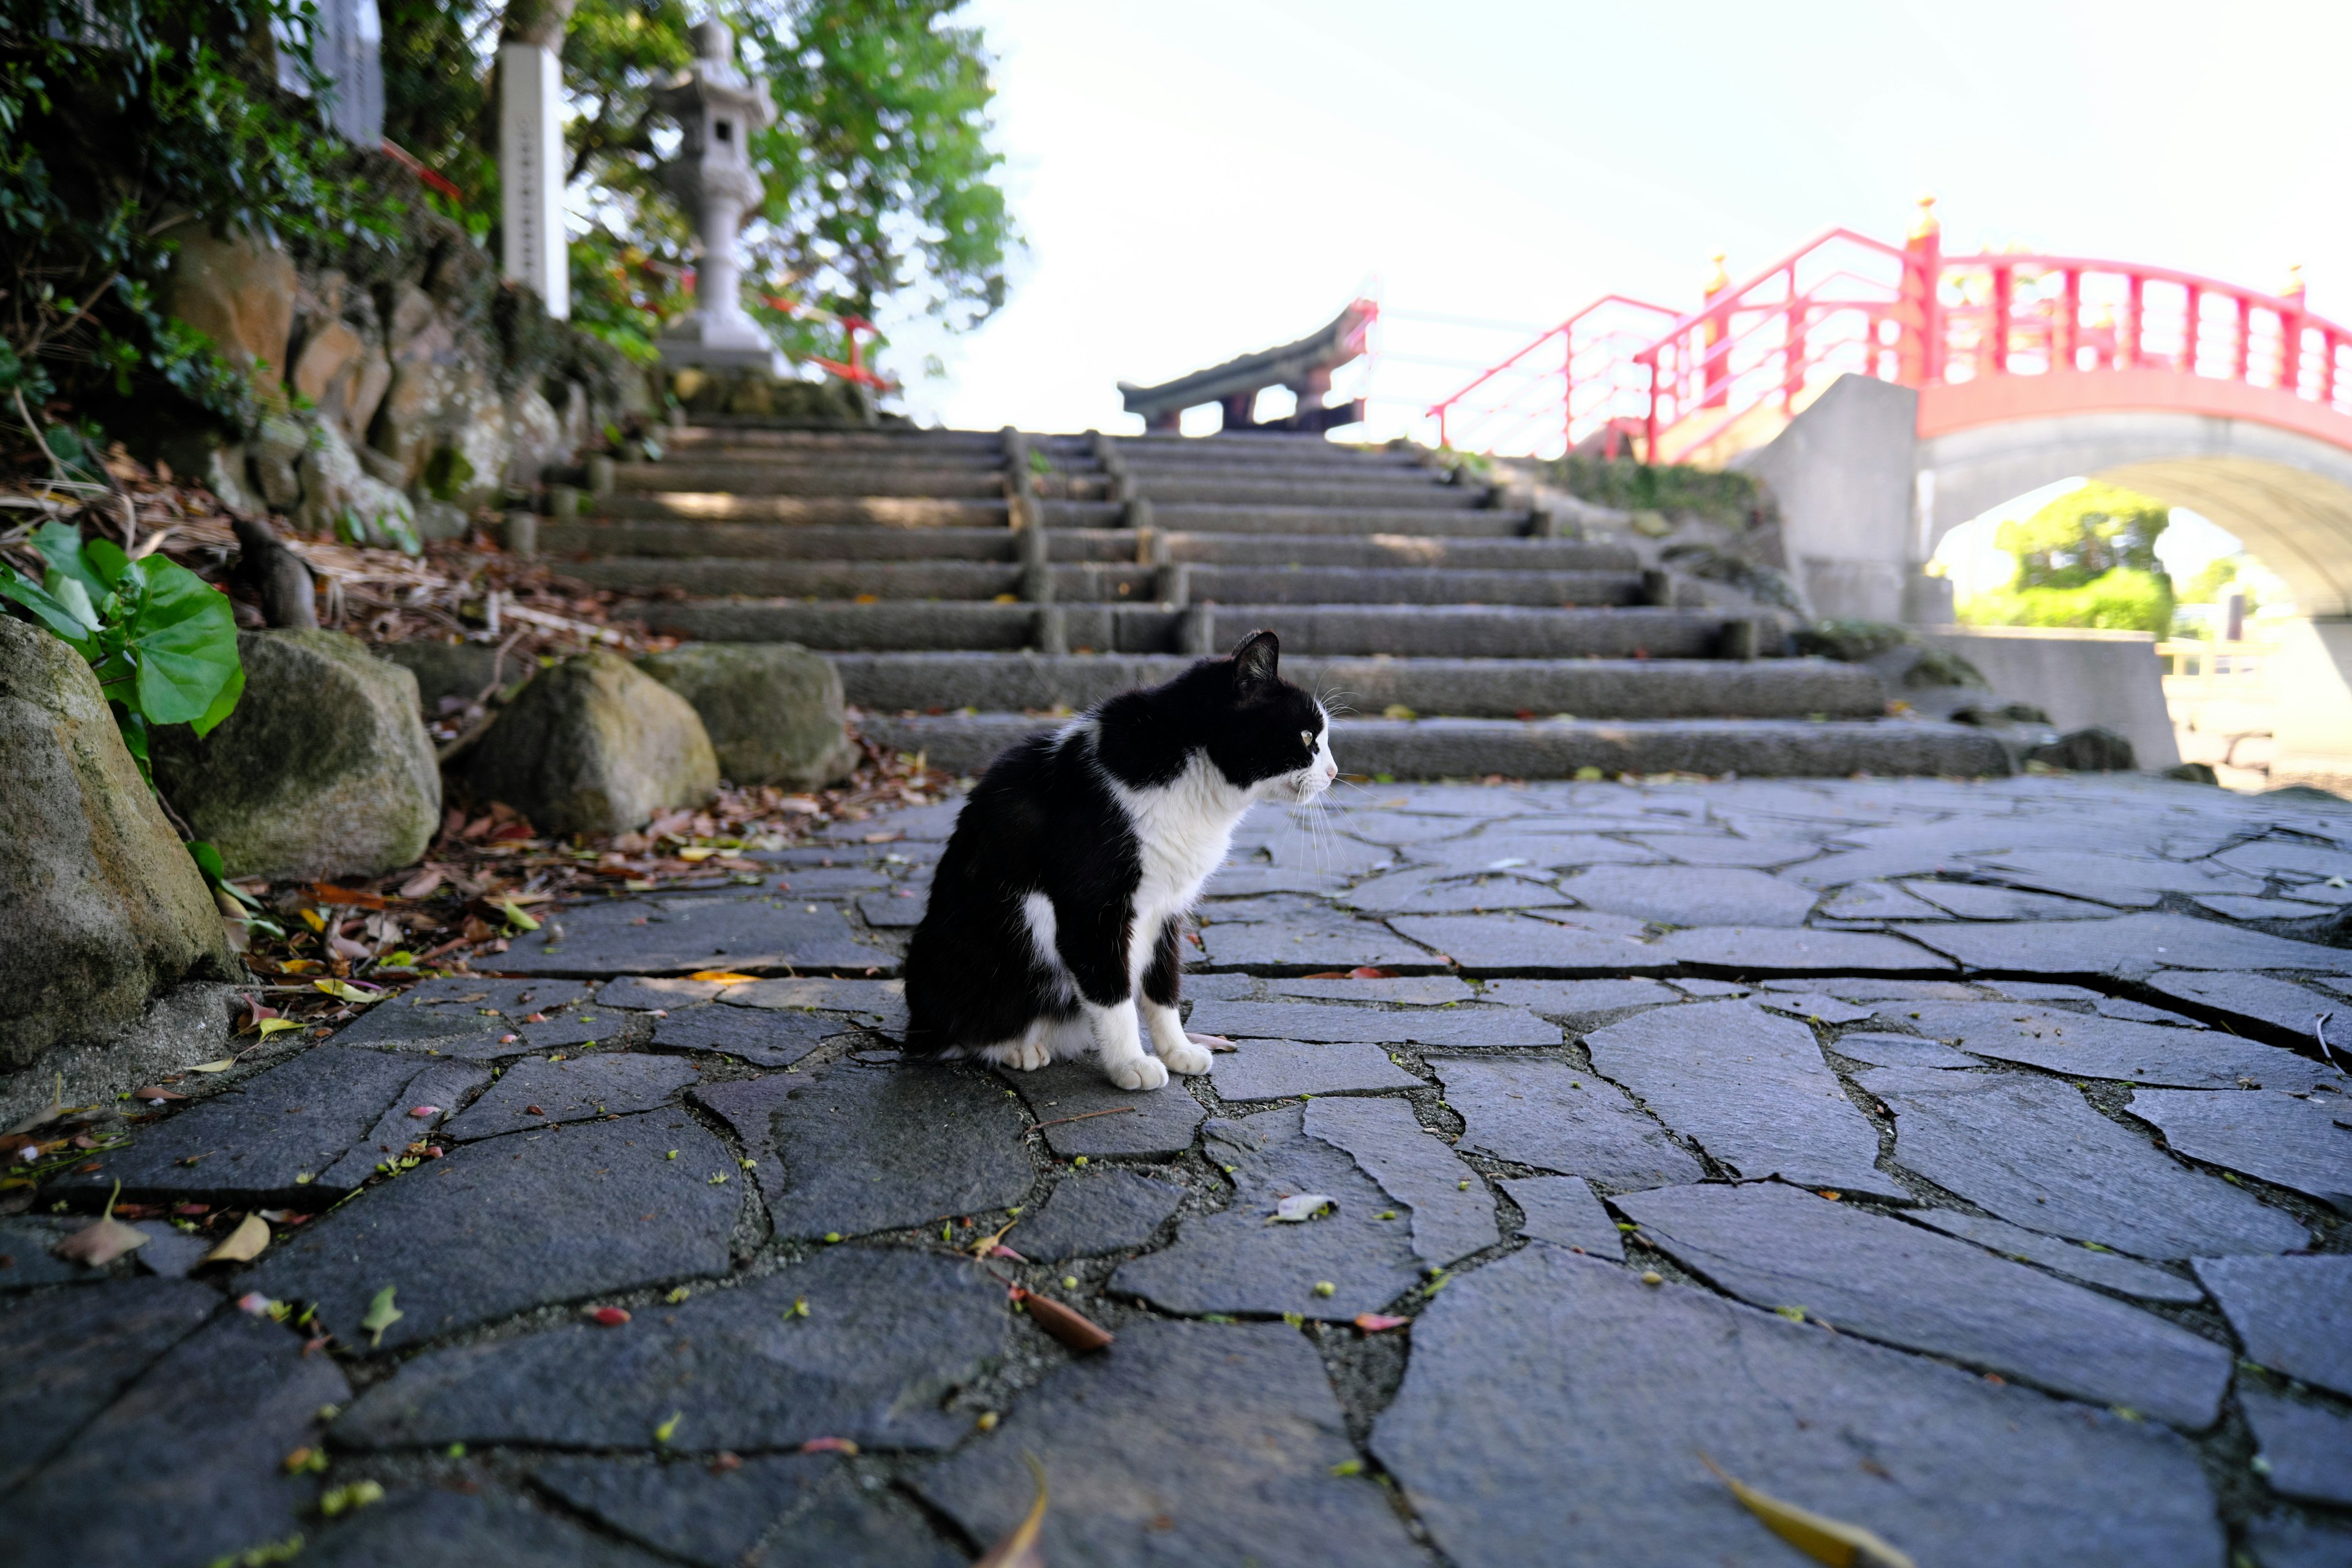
x,y
1270,737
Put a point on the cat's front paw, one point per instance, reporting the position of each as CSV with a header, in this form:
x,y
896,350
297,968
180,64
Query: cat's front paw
x,y
1184,1057
1137,1072
1020,1056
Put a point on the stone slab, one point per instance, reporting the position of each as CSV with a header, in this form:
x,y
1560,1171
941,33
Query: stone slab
x,y
70,1353
440,1087
25,1244
1812,1006
1579,1003
1470,1025
1522,944
2115,1272
1090,1213
689,931
1749,1088
849,1149
1446,891
1877,901
2275,1137
2032,1150
2261,1001
1323,940
1899,1051
2293,1314
876,1003
1563,1211
264,1141
1240,1260
2112,879
1865,1274
1721,849
894,908
1189,1443
2289,1542
2307,1448
585,1024
1979,902
808,1506
516,1223
888,1334
1275,1069
2232,906
2279,857
2083,1044
188,1462
767,1037
1410,990
1756,952
460,1015
649,993
1558,1117
438,1524
2129,947
537,1092
1453,1214
1692,895
1555,1408
1162,1121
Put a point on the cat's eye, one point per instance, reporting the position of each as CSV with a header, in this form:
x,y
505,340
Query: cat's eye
x,y
1307,739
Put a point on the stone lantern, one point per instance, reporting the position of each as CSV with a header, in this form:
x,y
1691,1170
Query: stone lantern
x,y
717,109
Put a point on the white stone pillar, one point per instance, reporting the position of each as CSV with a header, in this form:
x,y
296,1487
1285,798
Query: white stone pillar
x,y
531,172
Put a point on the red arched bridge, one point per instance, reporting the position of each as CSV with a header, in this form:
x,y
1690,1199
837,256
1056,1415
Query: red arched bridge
x,y
2024,368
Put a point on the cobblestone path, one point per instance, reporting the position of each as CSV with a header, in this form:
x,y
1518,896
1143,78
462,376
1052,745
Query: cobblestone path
x,y
1962,1161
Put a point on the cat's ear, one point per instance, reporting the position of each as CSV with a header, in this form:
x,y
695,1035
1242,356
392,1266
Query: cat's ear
x,y
1256,661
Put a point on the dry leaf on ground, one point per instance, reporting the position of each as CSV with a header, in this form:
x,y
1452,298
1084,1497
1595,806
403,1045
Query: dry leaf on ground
x,y
1019,1548
244,1244
1819,1537
1071,1327
381,1315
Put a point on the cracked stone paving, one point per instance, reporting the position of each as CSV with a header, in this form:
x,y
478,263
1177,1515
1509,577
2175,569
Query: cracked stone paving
x,y
1967,1162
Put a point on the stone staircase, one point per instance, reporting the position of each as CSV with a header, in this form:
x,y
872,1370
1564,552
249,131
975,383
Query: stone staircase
x,y
967,583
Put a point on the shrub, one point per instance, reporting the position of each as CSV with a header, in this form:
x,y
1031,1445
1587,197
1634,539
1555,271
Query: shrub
x,y
2121,600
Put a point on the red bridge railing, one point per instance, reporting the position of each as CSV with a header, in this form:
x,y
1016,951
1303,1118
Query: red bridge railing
x,y
1844,303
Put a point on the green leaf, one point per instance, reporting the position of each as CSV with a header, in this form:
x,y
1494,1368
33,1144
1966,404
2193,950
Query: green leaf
x,y
185,636
61,621
61,545
223,706
207,859
106,560
381,1315
70,591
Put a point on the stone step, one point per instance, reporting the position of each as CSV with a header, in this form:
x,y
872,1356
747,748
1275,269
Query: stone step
x,y
753,432
918,580
1478,748
667,541
873,511
1226,488
1466,687
1491,523
1102,581
1334,550
797,459
1403,631
755,479
1153,471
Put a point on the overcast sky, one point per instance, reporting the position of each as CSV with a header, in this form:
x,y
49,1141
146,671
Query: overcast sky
x,y
1201,179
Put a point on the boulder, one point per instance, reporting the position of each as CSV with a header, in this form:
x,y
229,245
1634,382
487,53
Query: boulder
x,y
239,292
2091,750
99,905
340,496
461,669
324,769
594,746
773,711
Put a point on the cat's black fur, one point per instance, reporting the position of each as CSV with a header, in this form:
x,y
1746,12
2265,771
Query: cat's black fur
x,y
1042,819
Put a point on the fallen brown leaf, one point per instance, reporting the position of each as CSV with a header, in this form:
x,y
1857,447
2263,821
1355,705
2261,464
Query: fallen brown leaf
x,y
1019,1548
242,1244
1378,1322
102,1243
1067,1324
1819,1537
156,1091
829,1445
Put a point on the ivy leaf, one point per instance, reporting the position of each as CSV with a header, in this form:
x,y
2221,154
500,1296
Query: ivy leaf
x,y
65,622
381,1315
185,636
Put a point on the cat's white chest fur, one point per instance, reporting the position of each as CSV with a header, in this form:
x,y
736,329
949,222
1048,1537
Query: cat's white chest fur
x,y
1184,830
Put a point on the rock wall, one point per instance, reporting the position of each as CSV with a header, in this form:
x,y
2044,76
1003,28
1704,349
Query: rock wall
x,y
410,385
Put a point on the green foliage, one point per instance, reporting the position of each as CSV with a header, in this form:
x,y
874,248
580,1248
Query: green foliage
x,y
124,124
881,186
2125,599
162,639
2084,535
1734,499
2217,574
1851,640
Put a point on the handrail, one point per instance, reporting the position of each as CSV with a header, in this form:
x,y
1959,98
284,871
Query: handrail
x,y
1934,319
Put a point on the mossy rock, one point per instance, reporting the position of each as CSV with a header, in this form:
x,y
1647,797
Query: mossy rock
x,y
773,710
594,745
100,906
324,769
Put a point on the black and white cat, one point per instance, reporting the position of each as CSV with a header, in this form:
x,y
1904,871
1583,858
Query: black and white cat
x,y
1059,903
